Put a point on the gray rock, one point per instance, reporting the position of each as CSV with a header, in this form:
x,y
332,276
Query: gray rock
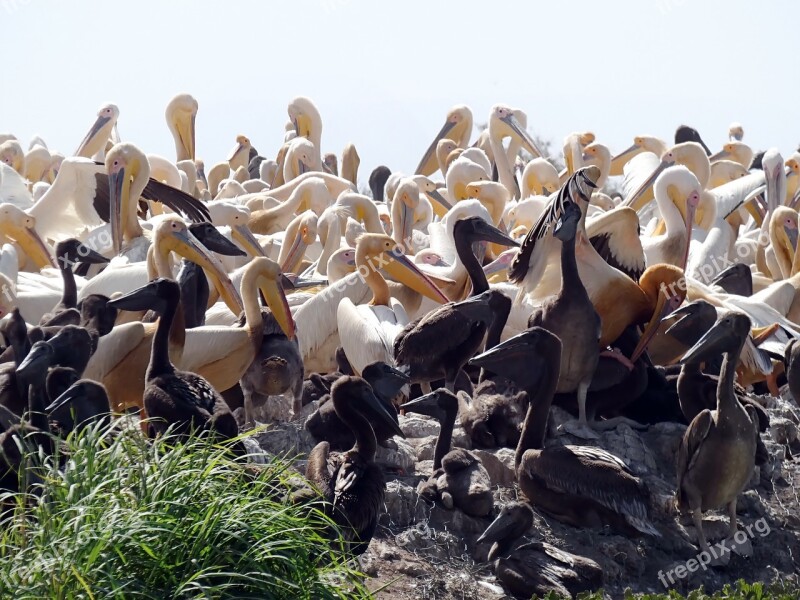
x,y
783,430
397,453
499,464
419,426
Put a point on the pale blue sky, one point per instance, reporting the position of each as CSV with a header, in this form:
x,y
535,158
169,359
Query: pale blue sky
x,y
383,74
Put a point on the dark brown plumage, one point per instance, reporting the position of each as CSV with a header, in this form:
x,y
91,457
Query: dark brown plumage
x,y
717,454
70,252
579,485
352,485
526,568
439,344
459,479
175,398
178,200
276,369
325,425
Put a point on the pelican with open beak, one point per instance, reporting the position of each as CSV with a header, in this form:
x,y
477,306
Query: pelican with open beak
x,y
100,132
21,227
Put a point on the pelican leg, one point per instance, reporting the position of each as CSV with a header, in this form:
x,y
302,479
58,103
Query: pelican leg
x,y
744,548
249,421
425,387
718,557
580,428
450,384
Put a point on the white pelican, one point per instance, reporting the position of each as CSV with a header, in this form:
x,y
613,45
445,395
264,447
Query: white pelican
x,y
367,332
94,143
457,128
504,122
181,115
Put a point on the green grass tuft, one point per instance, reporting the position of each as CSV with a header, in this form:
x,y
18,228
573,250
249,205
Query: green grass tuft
x,y
124,518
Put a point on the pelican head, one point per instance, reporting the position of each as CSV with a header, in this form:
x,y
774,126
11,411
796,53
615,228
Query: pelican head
x,y
457,128
128,172
100,131
775,175
236,217
539,177
305,118
11,153
21,227
331,163
241,152
784,224
302,232
438,202
736,151
445,148
665,288
735,132
690,154
641,143
172,234
301,152
728,334
181,115
269,279
377,251
509,122
341,262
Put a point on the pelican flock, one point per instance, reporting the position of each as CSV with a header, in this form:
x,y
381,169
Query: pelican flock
x,y
541,316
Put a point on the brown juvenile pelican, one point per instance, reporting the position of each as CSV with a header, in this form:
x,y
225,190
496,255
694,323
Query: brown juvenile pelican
x,y
717,454
325,424
352,485
81,404
173,397
459,480
579,485
438,344
32,373
526,568
276,369
697,391
68,253
571,317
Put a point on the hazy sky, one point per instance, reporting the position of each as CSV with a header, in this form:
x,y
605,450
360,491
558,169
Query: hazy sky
x,y
383,75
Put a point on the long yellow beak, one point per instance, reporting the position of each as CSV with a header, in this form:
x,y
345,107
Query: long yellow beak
x,y
186,133
664,306
527,140
246,239
119,189
406,272
638,199
91,144
424,168
33,245
618,161
296,253
276,300
187,246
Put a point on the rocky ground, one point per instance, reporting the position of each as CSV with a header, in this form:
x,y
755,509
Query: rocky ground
x,y
424,551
